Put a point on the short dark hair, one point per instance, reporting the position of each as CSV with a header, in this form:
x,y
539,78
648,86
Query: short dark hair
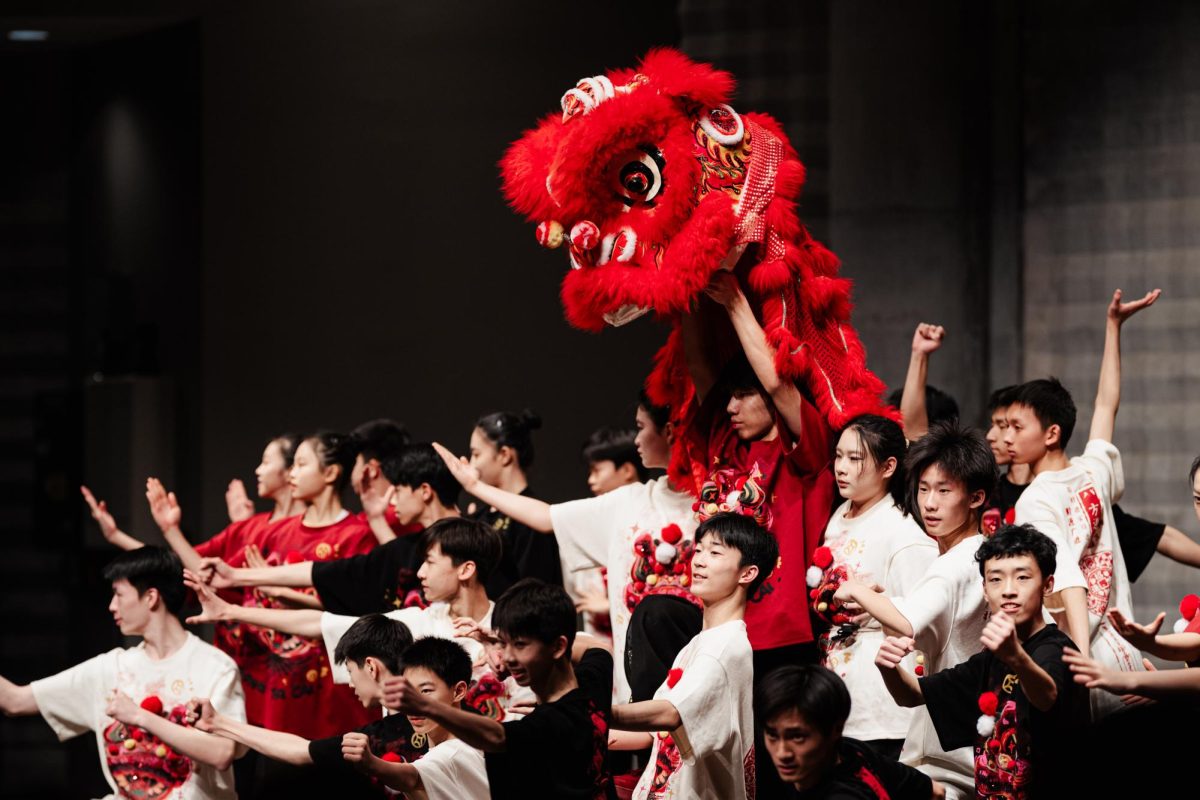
x,y
939,406
465,540
379,439
616,445
443,657
334,448
415,464
1019,540
147,568
883,438
659,415
1051,403
1001,398
962,453
752,541
534,609
505,429
738,376
374,636
1194,469
817,693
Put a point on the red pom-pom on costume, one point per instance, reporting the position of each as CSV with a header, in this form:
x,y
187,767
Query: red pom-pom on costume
x,y
822,557
920,670
137,733
673,677
1010,516
672,534
1188,606
392,758
988,702
153,705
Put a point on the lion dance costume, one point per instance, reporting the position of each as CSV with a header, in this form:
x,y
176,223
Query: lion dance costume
x,y
653,182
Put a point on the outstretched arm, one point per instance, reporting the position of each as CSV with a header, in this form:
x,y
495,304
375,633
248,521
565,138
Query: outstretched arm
x,y
1108,393
222,576
1169,647
526,510
16,701
872,601
279,745
296,621
1178,546
787,399
108,525
1158,685
475,729
647,716
164,507
926,340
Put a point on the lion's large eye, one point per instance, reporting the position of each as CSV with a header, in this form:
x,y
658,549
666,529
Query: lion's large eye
x,y
640,178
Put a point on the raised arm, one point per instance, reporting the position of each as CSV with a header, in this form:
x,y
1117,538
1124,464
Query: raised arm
x,y
695,352
926,340
296,621
108,525
375,502
204,747
475,729
164,507
787,399
646,716
237,503
1108,392
279,745
16,701
526,510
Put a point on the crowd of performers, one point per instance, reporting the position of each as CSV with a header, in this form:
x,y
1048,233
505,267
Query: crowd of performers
x,y
877,612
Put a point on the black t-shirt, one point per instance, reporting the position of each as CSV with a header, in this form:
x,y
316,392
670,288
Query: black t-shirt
x,y
527,553
861,774
374,581
559,750
1006,496
391,734
1024,755
1139,540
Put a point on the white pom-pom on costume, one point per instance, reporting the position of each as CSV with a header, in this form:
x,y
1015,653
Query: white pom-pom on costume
x,y
985,725
727,139
1180,625
813,577
665,553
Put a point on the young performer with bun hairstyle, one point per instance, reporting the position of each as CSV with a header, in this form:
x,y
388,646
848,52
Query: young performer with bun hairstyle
x,y
502,453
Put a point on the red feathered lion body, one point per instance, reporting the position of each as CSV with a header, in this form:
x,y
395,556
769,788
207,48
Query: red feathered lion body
x,y
653,182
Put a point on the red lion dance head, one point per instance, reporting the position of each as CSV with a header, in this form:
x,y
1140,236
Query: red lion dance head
x,y
653,182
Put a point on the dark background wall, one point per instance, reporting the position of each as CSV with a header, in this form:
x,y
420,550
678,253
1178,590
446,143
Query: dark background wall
x,y
221,220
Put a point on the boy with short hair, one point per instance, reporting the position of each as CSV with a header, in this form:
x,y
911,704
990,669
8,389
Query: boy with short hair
x,y
559,749
372,650
950,473
440,670
135,700
702,716
425,492
1070,500
376,443
802,710
612,458
1031,708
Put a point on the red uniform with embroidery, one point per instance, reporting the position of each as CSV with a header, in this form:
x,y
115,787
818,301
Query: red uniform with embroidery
x,y
786,488
247,651
292,683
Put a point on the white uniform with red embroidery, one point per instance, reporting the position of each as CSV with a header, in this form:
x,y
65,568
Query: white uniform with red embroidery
x,y
134,763
1073,507
601,532
710,756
